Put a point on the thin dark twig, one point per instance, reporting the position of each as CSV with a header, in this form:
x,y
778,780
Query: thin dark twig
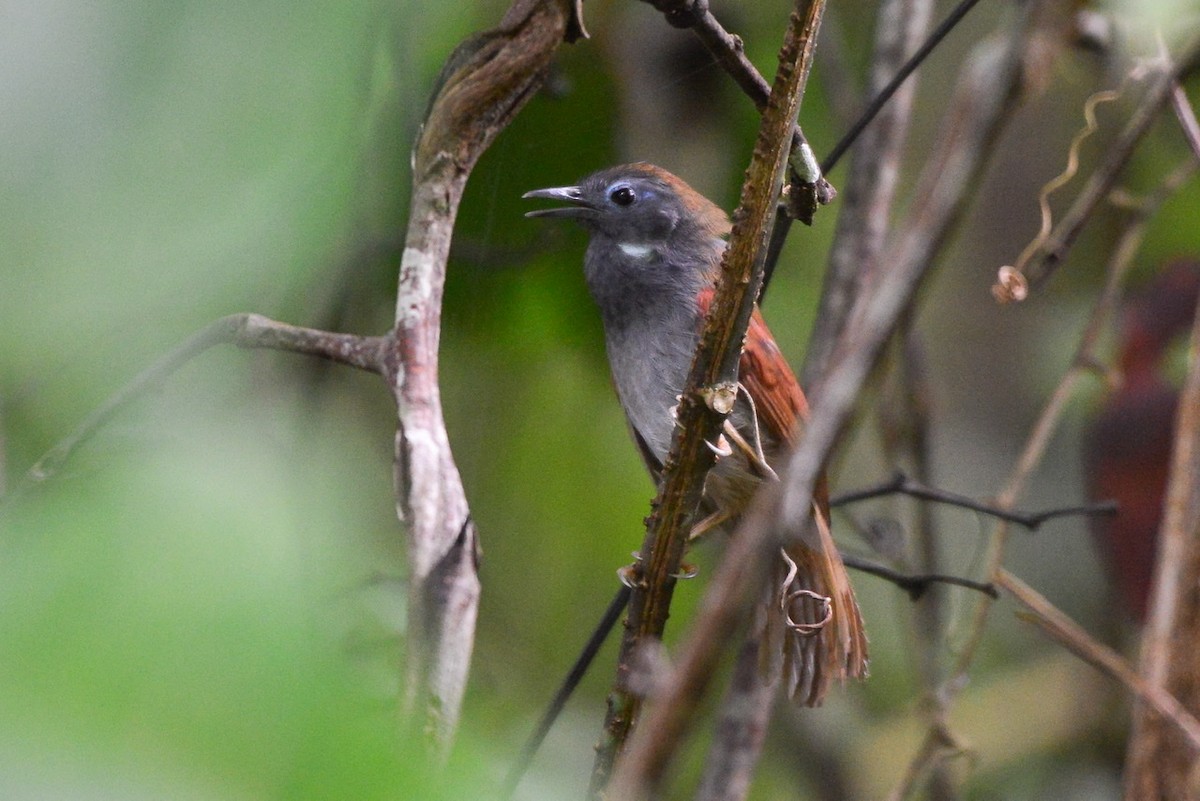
x,y
578,670
879,101
724,46
916,585
900,484
810,188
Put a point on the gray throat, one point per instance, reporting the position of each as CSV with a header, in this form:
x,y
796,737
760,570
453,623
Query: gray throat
x,y
651,326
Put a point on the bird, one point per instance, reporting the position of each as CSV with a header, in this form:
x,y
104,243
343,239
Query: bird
x,y
1128,444
653,253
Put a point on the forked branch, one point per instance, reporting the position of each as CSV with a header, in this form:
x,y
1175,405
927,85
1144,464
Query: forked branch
x,y
243,330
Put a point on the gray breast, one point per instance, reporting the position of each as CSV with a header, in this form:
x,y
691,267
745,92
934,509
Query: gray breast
x,y
651,326
650,366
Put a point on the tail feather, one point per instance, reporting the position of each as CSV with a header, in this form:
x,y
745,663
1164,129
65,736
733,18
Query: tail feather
x,y
824,638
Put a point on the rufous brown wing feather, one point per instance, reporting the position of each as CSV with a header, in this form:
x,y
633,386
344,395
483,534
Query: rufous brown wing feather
x,y
824,638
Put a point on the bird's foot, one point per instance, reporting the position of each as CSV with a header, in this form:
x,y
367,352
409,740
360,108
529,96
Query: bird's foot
x,y
721,448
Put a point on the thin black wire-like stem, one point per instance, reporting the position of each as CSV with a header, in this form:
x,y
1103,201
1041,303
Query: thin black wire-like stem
x,y
916,585
578,670
783,217
879,101
901,484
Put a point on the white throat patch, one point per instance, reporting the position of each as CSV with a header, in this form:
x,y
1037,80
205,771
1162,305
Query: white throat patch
x,y
635,250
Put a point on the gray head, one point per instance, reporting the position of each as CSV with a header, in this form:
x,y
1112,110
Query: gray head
x,y
641,206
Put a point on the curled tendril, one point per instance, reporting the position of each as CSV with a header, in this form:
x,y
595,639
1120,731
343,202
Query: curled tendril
x,y
786,598
1011,284
808,629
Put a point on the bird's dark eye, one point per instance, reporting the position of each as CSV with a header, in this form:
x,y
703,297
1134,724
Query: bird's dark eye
x,y
622,195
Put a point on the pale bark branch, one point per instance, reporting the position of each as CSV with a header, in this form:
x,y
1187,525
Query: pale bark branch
x,y
487,79
870,187
484,83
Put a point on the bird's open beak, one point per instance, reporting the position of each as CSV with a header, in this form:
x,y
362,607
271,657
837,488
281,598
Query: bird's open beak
x,y
571,194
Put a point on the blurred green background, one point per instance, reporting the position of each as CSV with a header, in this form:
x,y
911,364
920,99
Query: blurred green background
x,y
207,602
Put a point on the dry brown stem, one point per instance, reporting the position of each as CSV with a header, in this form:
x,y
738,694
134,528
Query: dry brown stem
x,y
1083,363
1069,634
642,769
1160,764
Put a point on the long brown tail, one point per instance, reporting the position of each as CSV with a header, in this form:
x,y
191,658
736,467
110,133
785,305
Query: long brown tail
x,y
824,637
